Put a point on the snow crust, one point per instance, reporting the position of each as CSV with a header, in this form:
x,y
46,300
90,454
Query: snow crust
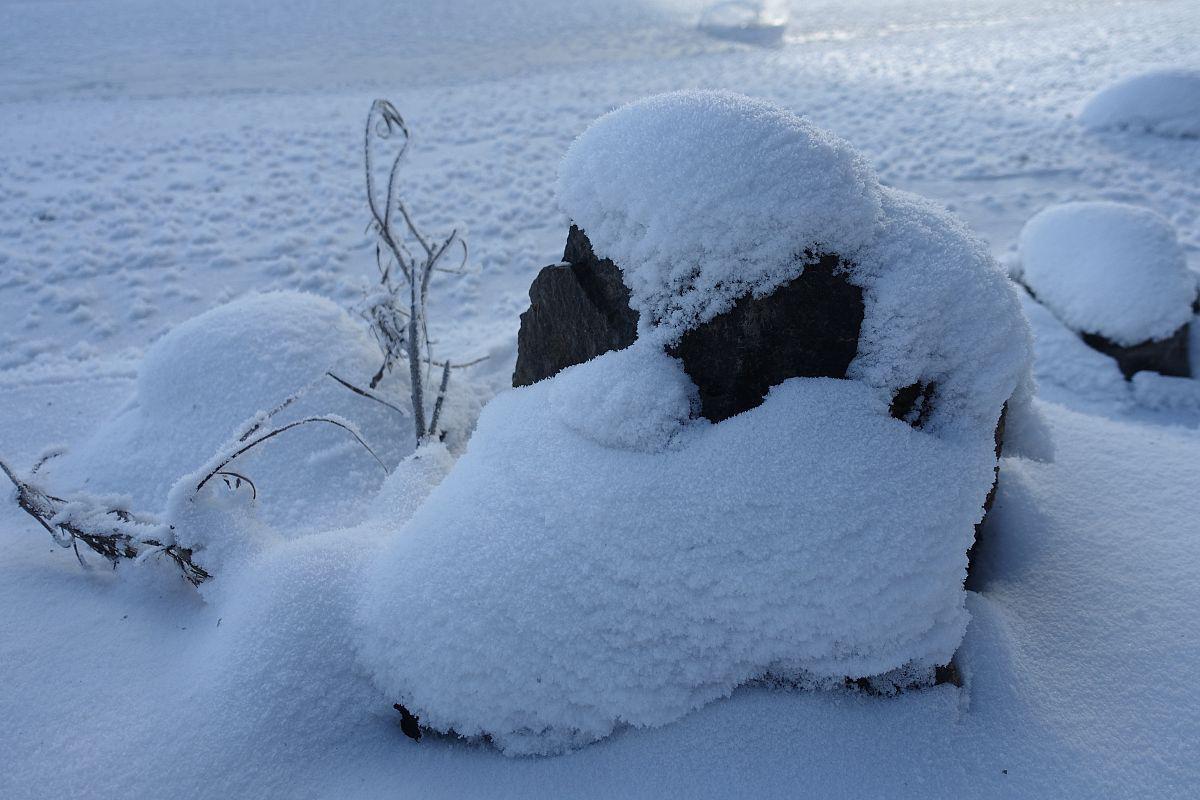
x,y
1165,102
566,587
1108,268
701,197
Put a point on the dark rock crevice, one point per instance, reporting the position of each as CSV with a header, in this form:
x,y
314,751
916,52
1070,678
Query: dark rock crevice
x,y
807,328
913,403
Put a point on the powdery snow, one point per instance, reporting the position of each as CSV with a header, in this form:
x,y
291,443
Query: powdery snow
x,y
701,197
939,310
1108,268
210,378
640,401
1165,102
552,588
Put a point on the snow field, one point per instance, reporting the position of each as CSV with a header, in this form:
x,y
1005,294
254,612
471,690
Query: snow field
x,y
1079,657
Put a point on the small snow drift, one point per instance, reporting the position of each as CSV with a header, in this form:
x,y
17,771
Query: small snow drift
x,y
1116,274
603,555
1164,102
210,376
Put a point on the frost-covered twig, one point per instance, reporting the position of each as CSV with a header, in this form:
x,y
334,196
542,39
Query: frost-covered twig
x,y
115,533
367,394
396,312
224,459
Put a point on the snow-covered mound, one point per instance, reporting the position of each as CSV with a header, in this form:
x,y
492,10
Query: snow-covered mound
x,y
751,21
701,197
567,587
204,381
1108,268
1165,102
601,556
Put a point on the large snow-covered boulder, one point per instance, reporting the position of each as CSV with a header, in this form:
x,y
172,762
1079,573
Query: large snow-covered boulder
x,y
207,378
1164,102
1116,274
603,554
672,190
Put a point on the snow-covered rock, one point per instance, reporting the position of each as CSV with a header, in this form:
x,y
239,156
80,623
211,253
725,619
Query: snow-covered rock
x,y
1165,102
566,587
671,189
1109,269
601,556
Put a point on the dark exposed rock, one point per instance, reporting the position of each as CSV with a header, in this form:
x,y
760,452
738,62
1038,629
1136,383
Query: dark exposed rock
x,y
913,403
972,552
806,328
1168,356
578,310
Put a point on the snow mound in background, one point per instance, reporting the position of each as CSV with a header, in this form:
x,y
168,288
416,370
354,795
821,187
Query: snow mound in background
x,y
206,379
1166,102
566,587
751,21
598,557
1108,268
701,197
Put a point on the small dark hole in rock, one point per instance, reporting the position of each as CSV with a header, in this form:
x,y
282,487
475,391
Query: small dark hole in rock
x,y
410,724
913,403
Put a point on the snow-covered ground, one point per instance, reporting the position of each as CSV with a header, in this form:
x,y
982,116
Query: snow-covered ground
x,y
157,158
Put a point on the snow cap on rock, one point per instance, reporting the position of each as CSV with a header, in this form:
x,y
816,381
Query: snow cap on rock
x,y
701,197
1110,269
211,376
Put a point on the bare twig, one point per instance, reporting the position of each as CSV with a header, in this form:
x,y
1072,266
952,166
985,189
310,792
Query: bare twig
x,y
238,480
257,422
48,455
368,394
441,398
